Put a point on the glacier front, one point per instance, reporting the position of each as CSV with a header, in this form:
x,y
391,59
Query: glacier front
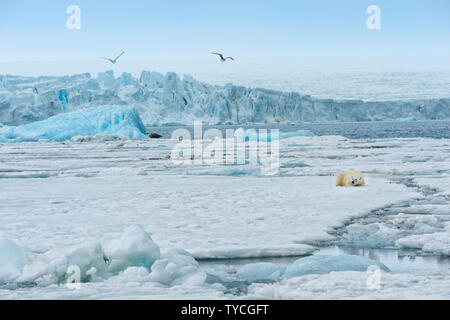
x,y
168,99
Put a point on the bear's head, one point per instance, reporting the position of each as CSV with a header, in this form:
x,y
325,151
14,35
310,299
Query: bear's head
x,y
356,181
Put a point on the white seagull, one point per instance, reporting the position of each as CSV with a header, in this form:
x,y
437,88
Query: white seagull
x,y
222,58
114,61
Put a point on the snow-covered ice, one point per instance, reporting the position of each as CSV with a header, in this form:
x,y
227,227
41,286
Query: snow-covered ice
x,y
241,224
140,227
434,243
353,285
134,248
177,267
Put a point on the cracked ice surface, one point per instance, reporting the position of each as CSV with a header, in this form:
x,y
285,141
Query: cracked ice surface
x,y
56,196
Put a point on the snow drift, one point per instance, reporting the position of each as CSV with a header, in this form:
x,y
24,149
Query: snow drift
x,y
122,121
163,100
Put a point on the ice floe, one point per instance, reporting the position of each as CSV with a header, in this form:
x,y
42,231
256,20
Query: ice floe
x,y
353,285
322,264
72,202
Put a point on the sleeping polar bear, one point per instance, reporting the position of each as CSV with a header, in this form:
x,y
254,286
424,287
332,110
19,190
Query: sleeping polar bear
x,y
350,179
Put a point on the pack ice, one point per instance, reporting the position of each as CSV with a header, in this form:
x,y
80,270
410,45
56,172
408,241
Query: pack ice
x,y
168,99
121,121
132,256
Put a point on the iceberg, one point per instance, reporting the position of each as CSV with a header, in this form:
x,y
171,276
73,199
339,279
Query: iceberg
x,y
122,121
169,99
323,264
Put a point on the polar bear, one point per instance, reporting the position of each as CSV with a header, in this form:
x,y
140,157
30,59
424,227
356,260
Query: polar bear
x,y
350,179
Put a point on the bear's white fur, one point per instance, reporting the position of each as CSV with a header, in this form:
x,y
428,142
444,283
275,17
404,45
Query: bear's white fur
x,y
350,179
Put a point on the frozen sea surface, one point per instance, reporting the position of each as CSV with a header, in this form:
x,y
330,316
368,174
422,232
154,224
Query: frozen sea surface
x,y
76,201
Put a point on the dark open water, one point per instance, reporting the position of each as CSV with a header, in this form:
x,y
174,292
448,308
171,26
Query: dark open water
x,y
352,130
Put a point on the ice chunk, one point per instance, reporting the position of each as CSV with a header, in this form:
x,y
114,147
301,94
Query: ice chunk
x,y
133,274
53,266
95,262
122,121
437,243
91,261
323,264
134,248
176,267
408,119
260,271
268,136
12,261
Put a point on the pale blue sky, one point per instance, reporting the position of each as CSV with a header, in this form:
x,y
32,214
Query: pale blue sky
x,y
36,31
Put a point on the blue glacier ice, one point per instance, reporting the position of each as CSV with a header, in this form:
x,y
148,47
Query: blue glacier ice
x,y
122,121
169,99
322,264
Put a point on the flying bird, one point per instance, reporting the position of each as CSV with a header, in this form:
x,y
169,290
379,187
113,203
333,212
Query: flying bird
x,y
222,58
114,61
